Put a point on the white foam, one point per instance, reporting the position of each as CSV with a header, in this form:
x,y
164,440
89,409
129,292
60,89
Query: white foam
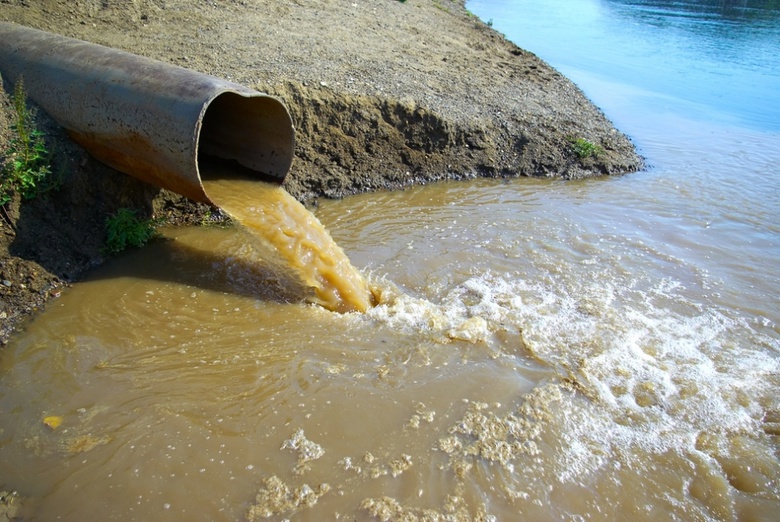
x,y
659,375
658,370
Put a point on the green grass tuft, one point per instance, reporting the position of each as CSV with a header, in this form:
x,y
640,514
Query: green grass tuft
x,y
585,149
124,229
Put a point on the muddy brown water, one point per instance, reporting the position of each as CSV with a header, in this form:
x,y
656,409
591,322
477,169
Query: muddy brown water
x,y
528,358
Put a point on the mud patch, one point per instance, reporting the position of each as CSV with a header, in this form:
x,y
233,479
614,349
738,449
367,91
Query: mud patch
x,y
350,144
84,443
277,498
454,510
500,439
10,505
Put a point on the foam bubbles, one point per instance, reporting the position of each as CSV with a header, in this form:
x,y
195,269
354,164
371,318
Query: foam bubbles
x,y
642,373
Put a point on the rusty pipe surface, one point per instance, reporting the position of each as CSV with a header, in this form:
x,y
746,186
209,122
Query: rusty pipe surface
x,y
151,120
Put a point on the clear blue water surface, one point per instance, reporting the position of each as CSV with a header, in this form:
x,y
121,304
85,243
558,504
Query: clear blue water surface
x,y
715,60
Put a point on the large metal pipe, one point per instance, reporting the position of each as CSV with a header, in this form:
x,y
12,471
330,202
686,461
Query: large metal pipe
x,y
151,120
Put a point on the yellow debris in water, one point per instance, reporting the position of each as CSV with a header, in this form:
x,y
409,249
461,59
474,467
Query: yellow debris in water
x,y
274,217
52,422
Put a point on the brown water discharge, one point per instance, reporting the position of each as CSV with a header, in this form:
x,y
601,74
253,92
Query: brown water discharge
x,y
521,365
278,223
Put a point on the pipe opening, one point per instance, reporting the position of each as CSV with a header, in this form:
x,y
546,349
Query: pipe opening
x,y
251,136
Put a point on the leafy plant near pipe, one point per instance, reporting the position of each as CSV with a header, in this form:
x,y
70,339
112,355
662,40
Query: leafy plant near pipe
x,y
125,229
27,169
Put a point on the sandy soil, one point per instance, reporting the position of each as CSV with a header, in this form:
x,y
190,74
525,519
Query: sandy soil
x,y
384,94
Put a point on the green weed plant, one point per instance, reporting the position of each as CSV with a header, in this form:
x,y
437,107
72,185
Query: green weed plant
x,y
585,149
27,169
125,229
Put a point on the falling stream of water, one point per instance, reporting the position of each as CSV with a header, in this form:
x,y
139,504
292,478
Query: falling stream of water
x,y
280,225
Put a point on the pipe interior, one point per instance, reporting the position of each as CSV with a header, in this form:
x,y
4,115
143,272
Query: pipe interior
x,y
248,136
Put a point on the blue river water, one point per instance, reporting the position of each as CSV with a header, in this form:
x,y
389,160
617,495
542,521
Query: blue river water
x,y
711,60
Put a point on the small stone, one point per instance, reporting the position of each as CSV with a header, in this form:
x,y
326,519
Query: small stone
x,y
7,283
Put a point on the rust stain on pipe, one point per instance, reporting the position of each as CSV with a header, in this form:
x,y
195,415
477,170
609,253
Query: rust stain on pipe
x,y
151,120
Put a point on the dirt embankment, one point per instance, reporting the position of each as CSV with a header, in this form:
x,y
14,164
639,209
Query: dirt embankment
x,y
384,94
